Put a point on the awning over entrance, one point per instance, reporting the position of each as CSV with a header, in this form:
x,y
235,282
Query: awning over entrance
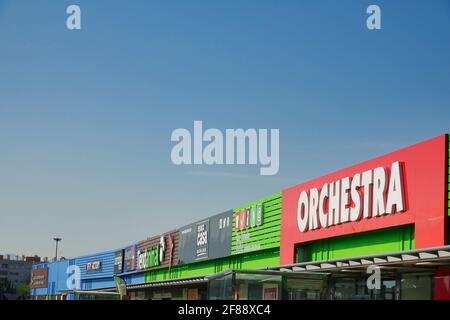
x,y
429,258
207,278
172,282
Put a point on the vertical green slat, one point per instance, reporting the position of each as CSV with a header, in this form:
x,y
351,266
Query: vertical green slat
x,y
372,242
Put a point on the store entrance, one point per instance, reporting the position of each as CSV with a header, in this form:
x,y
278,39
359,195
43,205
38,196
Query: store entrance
x,y
356,287
188,292
267,285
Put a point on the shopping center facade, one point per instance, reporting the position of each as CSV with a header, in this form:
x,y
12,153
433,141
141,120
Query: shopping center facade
x,y
320,239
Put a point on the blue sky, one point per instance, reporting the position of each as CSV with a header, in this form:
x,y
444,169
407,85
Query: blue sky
x,y
86,116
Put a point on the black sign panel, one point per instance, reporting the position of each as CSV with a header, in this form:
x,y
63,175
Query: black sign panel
x,y
188,244
202,240
207,239
221,228
130,258
118,262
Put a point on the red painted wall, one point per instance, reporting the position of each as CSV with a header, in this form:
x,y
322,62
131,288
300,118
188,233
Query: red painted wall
x,y
442,285
425,193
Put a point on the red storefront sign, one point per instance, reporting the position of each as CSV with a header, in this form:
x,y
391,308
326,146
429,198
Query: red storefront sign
x,y
403,187
442,285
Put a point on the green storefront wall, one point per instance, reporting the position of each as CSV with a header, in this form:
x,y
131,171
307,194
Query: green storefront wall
x,y
366,243
265,237
380,241
254,260
373,242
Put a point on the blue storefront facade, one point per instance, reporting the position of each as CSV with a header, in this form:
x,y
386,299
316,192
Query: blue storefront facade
x,y
55,280
58,280
97,271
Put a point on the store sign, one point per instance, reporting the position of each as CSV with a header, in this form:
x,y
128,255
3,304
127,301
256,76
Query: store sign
x,y
93,266
152,257
39,278
249,217
270,291
159,251
130,257
403,187
118,261
246,221
372,193
207,239
202,239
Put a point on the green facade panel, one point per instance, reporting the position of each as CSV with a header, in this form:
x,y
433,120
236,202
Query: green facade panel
x,y
253,260
262,238
373,242
258,236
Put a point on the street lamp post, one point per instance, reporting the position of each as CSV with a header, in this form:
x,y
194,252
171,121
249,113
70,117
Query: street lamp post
x,y
56,254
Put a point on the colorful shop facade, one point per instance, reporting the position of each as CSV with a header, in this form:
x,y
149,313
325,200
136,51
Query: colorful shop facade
x,y
323,239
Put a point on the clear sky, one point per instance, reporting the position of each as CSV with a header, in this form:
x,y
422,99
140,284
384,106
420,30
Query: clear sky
x,y
86,116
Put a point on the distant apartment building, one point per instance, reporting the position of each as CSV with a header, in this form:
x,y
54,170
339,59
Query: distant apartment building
x,y
14,274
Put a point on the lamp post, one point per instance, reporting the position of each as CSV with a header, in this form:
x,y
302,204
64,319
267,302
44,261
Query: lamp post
x,y
56,254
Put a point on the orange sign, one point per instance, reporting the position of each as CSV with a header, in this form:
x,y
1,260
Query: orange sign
x,y
39,278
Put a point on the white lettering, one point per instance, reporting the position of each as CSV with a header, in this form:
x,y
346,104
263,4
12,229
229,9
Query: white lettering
x,y
313,206
181,152
373,22
241,147
213,153
333,211
323,217
355,211
396,194
350,199
367,185
73,21
379,191
302,212
345,211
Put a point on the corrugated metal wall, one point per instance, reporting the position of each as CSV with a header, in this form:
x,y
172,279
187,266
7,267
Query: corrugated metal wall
x,y
106,268
252,260
152,242
57,277
262,237
101,278
358,244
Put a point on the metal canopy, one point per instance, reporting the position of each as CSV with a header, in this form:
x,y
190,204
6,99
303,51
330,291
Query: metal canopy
x,y
420,257
174,282
206,278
